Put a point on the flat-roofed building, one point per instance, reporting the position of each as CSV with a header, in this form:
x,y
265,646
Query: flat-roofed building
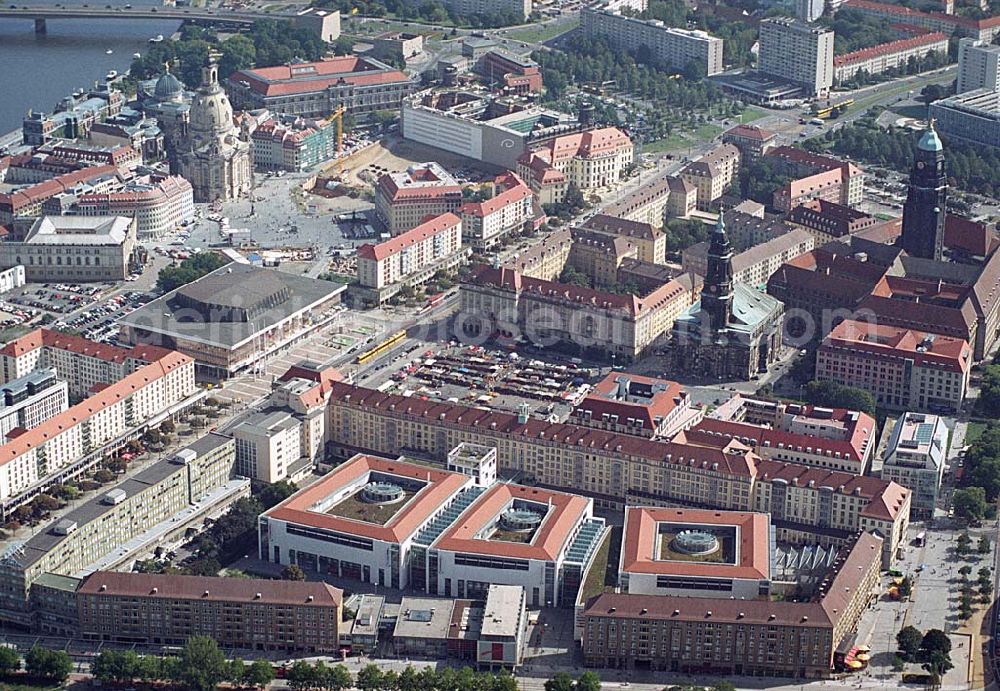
x,y
634,404
268,447
696,553
405,200
30,400
978,66
973,117
915,458
243,613
812,46
503,632
317,89
904,369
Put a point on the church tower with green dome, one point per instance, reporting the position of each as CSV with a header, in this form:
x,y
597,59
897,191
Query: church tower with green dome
x,y
926,200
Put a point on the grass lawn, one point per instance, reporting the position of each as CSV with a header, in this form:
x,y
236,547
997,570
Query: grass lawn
x,y
974,431
675,142
751,114
540,34
523,537
707,132
595,583
379,514
719,556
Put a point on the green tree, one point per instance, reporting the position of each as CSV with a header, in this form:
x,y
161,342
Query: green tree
x,y
935,640
965,570
292,572
588,681
337,678
834,395
189,270
238,53
909,640
962,543
202,665
370,678
10,661
275,493
985,545
259,674
970,506
50,664
560,682
302,676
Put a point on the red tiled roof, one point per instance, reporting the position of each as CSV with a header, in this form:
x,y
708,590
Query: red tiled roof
x,y
283,80
565,511
641,543
601,400
901,11
750,132
49,188
978,239
514,191
439,488
944,352
889,48
411,237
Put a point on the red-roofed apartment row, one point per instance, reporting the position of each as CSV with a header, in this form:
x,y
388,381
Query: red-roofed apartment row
x,y
126,389
406,199
28,201
887,56
507,211
983,29
376,520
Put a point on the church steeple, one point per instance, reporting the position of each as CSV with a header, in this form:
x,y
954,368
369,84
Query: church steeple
x,y
926,200
717,293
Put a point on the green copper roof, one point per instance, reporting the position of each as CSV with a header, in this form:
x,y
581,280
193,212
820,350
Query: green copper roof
x,y
930,141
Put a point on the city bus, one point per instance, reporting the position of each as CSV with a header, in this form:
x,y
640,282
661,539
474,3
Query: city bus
x,y
382,348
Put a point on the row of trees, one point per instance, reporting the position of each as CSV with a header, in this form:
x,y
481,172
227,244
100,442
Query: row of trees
x,y
40,663
431,11
831,394
932,648
189,270
970,168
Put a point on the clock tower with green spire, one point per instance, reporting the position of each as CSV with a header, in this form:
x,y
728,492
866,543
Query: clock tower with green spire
x,y
717,292
926,200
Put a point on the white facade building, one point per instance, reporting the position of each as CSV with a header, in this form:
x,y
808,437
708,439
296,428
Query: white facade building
x,y
268,447
978,66
797,52
485,222
915,458
159,204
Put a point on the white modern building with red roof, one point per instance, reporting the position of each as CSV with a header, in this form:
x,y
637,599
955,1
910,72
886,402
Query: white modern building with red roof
x,y
507,211
406,526
634,404
317,89
696,553
406,199
410,258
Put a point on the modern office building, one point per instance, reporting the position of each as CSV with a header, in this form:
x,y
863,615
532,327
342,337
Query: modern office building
x,y
915,457
503,633
670,46
696,553
978,66
973,117
28,401
242,613
812,46
904,369
410,258
318,89
268,447
75,249
155,507
293,143
759,637
234,316
404,200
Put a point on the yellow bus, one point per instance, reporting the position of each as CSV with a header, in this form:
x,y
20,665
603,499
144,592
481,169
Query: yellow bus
x,y
381,348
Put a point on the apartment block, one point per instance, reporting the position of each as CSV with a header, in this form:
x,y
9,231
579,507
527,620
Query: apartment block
x,y
915,457
812,46
673,47
947,23
827,221
293,143
817,177
633,404
241,613
887,56
713,173
978,66
405,200
507,211
649,240
543,260
755,265
807,504
904,369
589,160
154,507
752,141
28,401
410,258
27,201
656,202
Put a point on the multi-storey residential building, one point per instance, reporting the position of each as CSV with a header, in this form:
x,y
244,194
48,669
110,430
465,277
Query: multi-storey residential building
x,y
61,157
633,404
505,302
242,613
590,159
978,66
702,635
74,248
405,200
158,203
807,504
117,410
519,8
675,48
886,56
827,221
410,258
655,202
154,507
903,369
293,144
318,89
650,241
713,173
544,260
819,177
834,439
28,401
695,553
915,456
812,46
268,447
752,141
27,201
507,211
405,526
809,10
973,117
948,24
755,265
